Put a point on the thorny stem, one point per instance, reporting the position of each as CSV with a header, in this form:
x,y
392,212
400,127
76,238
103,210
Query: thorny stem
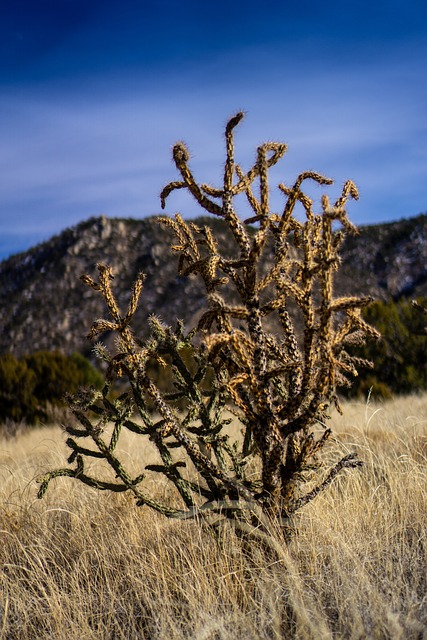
x,y
270,347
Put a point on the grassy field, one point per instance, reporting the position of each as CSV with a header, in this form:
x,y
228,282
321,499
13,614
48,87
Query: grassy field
x,y
86,565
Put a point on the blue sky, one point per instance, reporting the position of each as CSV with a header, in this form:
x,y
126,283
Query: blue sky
x,y
93,95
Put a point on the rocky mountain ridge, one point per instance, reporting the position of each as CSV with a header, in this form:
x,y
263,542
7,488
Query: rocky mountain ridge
x,y
44,305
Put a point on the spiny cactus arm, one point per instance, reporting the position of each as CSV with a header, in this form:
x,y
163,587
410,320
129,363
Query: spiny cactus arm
x,y
176,224
245,185
78,454
262,161
186,235
204,265
310,446
116,414
169,468
134,300
294,194
231,268
171,427
82,451
120,323
207,268
255,254
82,477
348,462
348,332
181,157
260,209
227,211
208,413
309,350
229,140
350,302
326,362
229,191
137,428
245,180
338,212
187,383
111,458
168,426
192,260
221,314
235,225
349,191
359,324
166,191
228,508
311,175
209,190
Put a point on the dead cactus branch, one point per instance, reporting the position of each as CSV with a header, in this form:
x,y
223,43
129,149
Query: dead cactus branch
x,y
271,348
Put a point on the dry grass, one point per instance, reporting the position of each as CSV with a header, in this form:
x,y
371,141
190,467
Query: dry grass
x,y
84,565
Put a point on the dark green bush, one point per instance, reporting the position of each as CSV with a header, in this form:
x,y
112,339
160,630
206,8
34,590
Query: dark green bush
x,y
17,384
399,357
34,384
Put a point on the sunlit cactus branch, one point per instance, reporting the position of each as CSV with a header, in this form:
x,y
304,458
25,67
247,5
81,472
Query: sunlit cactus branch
x,y
271,349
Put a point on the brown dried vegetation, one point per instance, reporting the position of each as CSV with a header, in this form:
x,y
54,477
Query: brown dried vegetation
x,y
278,384
86,565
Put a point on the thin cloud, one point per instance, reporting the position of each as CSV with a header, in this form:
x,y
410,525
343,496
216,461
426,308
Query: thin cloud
x,y
81,147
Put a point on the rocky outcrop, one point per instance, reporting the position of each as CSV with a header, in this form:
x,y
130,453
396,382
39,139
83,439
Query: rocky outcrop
x,y
44,305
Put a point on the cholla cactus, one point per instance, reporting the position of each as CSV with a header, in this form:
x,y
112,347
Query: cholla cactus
x,y
271,348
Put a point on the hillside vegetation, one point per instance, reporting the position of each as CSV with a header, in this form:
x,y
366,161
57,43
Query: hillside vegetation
x,y
33,388
83,565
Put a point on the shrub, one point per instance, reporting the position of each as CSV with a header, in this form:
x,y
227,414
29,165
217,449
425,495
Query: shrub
x,y
17,384
31,388
278,384
399,356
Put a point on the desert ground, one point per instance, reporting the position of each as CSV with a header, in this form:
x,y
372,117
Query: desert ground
x,y
83,564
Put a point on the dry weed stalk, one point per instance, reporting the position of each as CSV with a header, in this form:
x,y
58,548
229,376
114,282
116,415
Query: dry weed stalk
x,y
278,384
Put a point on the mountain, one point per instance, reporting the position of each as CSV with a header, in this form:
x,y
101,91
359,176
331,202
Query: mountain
x,y
44,305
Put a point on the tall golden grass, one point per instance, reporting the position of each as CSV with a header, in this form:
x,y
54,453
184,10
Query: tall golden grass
x,y
82,564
